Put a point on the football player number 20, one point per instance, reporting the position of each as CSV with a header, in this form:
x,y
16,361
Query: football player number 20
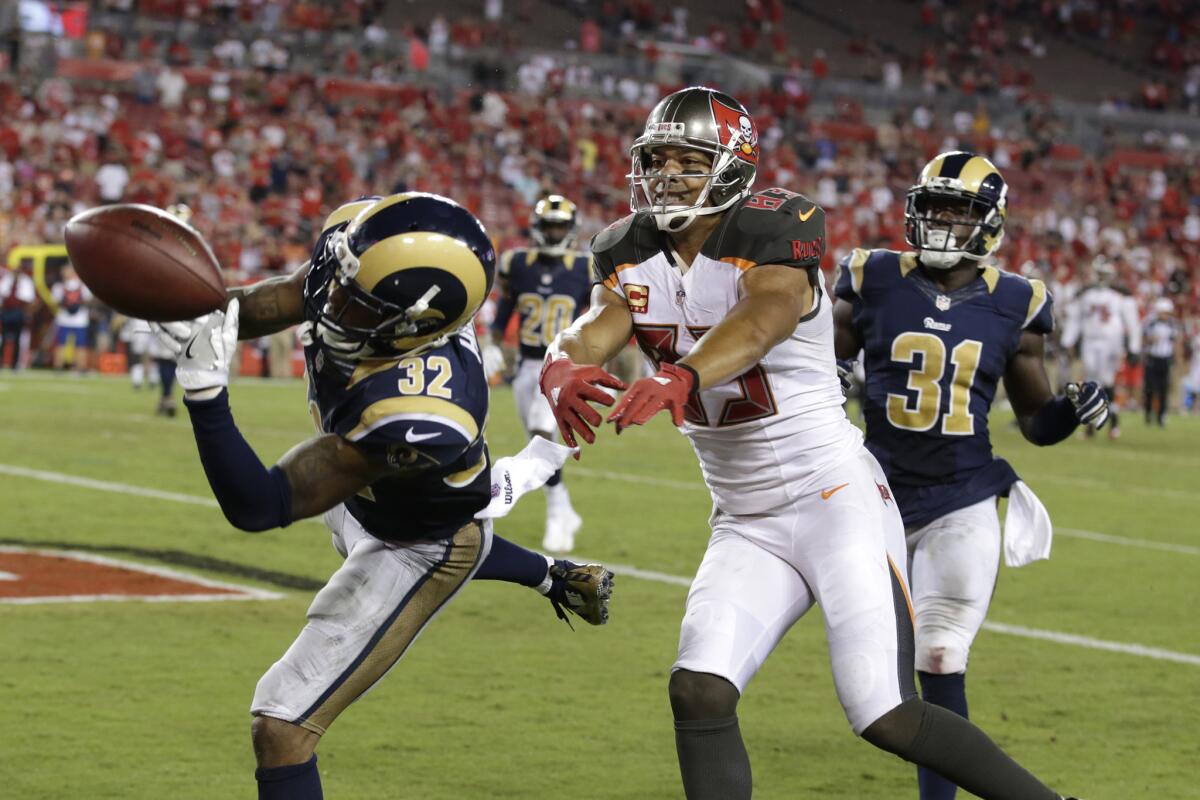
x,y
542,319
925,381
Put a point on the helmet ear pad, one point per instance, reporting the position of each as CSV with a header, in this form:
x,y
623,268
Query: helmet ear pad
x,y
732,182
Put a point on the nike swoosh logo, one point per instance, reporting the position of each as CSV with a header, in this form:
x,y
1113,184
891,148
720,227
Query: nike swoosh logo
x,y
828,493
413,437
804,215
188,352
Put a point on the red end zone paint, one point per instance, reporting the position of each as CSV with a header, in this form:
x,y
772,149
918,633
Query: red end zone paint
x,y
48,576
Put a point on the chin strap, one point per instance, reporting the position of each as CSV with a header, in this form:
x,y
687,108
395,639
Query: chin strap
x,y
664,219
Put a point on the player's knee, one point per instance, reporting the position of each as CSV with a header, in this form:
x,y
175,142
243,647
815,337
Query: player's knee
x,y
699,695
896,730
941,660
278,743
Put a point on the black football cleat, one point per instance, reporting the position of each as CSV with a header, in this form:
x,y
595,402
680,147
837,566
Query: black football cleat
x,y
582,589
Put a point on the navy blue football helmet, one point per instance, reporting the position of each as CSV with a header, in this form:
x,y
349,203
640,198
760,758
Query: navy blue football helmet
x,y
396,275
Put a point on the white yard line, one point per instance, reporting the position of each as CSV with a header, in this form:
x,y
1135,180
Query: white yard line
x,y
105,486
1111,486
679,580
1127,542
1094,644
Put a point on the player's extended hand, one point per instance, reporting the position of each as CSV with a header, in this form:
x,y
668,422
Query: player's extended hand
x,y
493,359
203,349
845,371
569,387
1091,404
668,388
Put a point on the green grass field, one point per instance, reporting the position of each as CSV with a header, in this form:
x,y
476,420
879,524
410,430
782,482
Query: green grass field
x,y
500,700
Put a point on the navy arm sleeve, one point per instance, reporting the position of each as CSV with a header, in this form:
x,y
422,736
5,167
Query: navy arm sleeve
x,y
252,497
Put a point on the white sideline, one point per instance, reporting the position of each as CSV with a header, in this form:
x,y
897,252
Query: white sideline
x,y
678,580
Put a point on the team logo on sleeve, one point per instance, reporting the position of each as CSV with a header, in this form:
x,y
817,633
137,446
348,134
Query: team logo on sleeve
x,y
637,297
736,131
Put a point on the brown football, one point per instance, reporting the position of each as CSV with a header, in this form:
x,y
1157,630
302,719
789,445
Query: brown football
x,y
145,263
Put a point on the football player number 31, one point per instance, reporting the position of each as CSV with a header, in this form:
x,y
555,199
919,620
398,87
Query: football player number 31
x,y
543,319
925,381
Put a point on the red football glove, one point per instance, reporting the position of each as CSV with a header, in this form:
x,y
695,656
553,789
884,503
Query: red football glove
x,y
668,388
569,387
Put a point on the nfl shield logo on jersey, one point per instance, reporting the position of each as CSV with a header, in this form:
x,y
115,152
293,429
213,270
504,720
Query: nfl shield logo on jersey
x,y
942,302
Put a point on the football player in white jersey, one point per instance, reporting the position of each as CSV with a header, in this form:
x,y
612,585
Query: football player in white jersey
x,y
1104,322
722,289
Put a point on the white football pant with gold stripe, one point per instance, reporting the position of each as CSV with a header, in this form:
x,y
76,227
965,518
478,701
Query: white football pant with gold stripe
x,y
365,618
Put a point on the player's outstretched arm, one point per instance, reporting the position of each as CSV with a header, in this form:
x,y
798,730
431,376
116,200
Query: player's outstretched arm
x,y
599,333
272,305
773,300
571,376
312,478
1044,418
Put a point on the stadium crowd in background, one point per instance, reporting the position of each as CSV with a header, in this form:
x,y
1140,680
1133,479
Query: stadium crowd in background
x,y
261,140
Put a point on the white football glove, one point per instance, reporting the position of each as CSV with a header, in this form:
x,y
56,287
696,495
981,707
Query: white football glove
x,y
203,349
845,373
493,360
1090,402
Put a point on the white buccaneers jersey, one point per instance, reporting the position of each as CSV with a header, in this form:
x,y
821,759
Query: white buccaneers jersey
x,y
763,437
1103,317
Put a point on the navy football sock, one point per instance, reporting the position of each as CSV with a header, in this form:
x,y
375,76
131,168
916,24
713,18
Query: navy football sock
x,y
293,782
166,375
513,563
949,692
555,479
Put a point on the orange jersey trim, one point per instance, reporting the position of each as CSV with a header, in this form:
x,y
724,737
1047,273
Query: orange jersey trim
x,y
611,281
741,263
903,588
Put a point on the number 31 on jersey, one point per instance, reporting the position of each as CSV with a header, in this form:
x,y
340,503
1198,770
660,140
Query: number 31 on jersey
x,y
924,379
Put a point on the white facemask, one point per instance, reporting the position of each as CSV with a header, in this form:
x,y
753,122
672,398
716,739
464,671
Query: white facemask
x,y
943,253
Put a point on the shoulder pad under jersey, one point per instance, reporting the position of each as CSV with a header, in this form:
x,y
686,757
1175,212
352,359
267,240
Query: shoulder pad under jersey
x,y
864,270
774,226
631,239
1029,300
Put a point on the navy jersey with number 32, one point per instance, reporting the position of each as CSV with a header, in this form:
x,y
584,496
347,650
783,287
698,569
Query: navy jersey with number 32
x,y
933,360
424,415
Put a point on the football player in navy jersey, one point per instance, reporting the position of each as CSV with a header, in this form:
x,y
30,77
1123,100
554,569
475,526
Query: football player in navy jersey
x,y
399,467
547,285
939,329
723,290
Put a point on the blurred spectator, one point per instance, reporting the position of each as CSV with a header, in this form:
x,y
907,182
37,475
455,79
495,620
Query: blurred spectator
x,y
111,179
71,321
171,85
17,293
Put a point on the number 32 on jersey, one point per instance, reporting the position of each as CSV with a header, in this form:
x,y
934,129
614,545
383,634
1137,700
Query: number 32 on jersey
x,y
924,380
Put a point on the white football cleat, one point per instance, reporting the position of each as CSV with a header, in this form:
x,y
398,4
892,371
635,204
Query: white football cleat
x,y
562,523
